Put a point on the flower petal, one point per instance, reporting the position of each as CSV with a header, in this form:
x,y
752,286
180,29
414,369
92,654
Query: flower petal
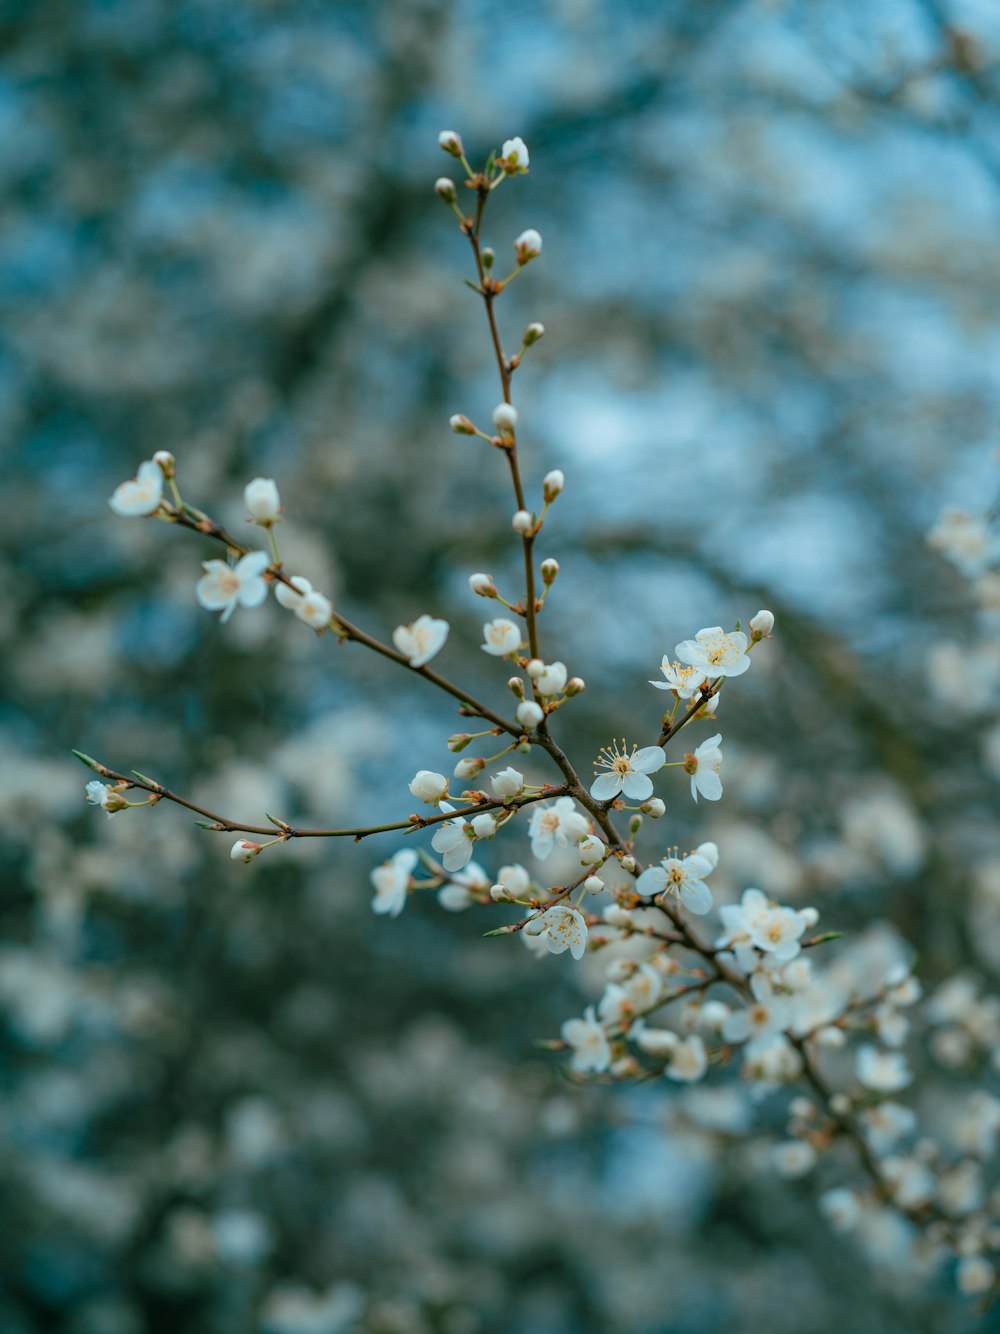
x,y
649,759
696,897
637,787
606,786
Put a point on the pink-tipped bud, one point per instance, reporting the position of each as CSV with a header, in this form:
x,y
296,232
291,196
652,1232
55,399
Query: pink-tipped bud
x,y
244,850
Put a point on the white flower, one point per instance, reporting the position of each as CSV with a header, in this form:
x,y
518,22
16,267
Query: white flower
x,y
314,609
704,766
591,850
688,1061
759,1023
99,794
771,928
262,500
514,155
419,641
515,879
528,245
627,772
529,714
716,652
883,1071
841,1208
559,823
683,878
589,1043
552,485
793,1159
484,826
460,894
225,587
505,417
564,929
684,681
549,678
429,786
244,850
887,1123
501,637
291,598
975,1275
391,881
762,624
507,783
454,842
142,495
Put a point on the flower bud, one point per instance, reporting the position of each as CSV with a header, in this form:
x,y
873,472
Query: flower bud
x,y
522,522
593,884
500,894
714,1014
262,500
483,585
461,425
634,824
459,741
468,768
761,625
505,418
654,808
550,568
244,850
551,680
444,188
516,687
426,785
809,915
166,462
628,863
552,484
840,1104
99,794
532,334
529,714
315,610
484,826
451,143
514,155
576,685
528,246
488,256
535,667
591,850
507,783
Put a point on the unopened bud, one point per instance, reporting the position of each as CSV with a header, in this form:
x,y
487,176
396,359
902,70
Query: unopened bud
x,y
451,142
535,668
840,1104
244,850
576,685
522,522
550,568
591,850
532,334
500,894
444,188
166,462
505,417
529,714
654,808
429,786
528,246
761,625
461,425
552,484
516,687
489,255
634,824
468,768
593,884
484,826
483,585
628,863
459,741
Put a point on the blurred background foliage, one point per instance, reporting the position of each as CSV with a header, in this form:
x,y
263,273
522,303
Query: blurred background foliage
x,y
235,1100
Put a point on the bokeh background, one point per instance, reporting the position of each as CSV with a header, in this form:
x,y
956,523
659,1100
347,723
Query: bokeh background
x,y
233,1099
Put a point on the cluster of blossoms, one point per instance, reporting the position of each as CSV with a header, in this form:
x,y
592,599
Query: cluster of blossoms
x,y
678,1000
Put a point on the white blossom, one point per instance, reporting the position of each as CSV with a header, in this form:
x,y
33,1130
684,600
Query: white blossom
x,y
484,825
688,1061
684,681
461,892
964,539
882,1071
762,624
501,637
453,840
704,766
529,714
564,929
291,598
515,879
142,495
549,678
975,1275
314,609
589,1042
391,881
507,783
262,500
682,877
591,850
627,772
841,1208
428,786
794,1158
716,652
523,522
421,640
514,155
505,417
225,587
99,794
559,823
760,1022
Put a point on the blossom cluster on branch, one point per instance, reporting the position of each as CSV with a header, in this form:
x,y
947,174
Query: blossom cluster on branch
x,y
686,994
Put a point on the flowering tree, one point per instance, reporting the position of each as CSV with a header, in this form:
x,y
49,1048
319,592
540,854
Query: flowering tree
x,y
681,1000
